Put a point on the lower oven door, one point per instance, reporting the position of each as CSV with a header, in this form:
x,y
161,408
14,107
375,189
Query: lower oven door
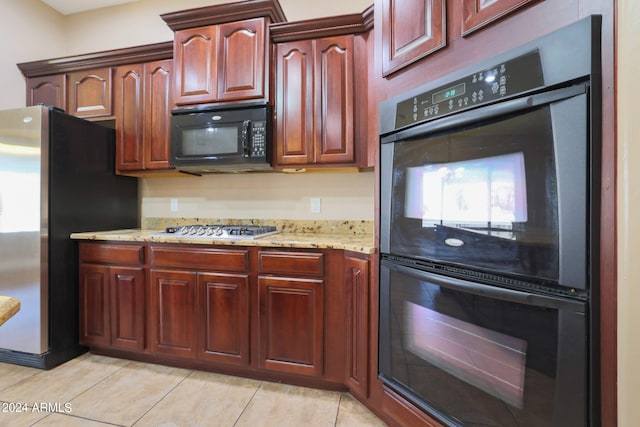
x,y
477,355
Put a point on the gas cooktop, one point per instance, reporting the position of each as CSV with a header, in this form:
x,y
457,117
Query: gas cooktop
x,y
223,231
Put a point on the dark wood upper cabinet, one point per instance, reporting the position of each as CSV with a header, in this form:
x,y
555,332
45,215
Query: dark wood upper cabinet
x,y
317,95
411,30
195,56
129,98
142,104
82,85
315,102
90,92
478,13
242,73
222,52
48,90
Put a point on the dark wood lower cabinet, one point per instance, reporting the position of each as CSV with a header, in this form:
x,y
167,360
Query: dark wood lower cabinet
x,y
301,316
357,323
173,316
128,308
112,296
95,305
223,303
291,325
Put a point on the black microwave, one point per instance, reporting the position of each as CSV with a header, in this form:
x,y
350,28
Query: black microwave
x,y
221,140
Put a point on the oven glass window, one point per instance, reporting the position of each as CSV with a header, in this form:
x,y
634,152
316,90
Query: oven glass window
x,y
478,360
209,141
486,196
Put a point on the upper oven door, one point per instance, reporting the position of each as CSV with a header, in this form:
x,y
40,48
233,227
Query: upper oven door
x,y
501,189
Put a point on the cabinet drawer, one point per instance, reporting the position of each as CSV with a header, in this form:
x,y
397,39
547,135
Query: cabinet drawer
x,y
205,258
111,254
305,263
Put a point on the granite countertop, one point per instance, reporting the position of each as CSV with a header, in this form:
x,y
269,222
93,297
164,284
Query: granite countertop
x,y
8,307
362,243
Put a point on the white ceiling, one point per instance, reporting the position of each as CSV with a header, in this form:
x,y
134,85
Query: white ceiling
x,y
67,7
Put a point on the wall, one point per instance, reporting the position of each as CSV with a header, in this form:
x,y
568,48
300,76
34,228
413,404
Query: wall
x,y
628,205
261,196
30,30
139,22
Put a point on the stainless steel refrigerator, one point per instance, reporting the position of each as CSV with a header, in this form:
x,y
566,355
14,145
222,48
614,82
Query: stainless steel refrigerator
x,y
56,177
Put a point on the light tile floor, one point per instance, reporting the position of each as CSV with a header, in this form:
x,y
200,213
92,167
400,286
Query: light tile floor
x,y
103,391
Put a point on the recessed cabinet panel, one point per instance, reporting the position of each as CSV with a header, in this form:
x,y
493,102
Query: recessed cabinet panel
x,y
89,93
195,56
129,113
294,97
127,314
411,29
158,102
335,100
478,13
357,324
95,327
173,313
48,90
224,318
291,325
242,60
299,263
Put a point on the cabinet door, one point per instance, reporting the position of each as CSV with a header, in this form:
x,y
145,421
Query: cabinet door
x,y
334,138
224,318
294,103
357,287
142,104
291,325
173,313
129,113
89,93
241,60
411,29
95,327
478,13
127,308
158,102
48,90
195,59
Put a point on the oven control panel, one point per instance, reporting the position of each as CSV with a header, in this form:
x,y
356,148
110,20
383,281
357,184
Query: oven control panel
x,y
506,79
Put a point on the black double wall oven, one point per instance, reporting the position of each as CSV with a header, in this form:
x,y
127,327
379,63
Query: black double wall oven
x,y
489,196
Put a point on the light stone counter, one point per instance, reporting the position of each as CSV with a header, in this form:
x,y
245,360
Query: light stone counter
x,y
363,243
8,307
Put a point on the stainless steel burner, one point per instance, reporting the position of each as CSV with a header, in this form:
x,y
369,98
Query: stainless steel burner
x,y
221,231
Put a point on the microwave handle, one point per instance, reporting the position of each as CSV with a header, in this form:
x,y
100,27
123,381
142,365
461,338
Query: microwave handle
x,y
246,138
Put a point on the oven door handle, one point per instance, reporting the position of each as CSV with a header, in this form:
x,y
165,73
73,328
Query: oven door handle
x,y
487,112
481,289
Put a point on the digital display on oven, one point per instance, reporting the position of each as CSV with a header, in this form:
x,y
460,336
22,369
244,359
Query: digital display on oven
x,y
448,93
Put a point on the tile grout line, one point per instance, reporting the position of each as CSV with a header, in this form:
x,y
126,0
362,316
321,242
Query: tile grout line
x,y
83,392
77,417
338,410
247,405
163,398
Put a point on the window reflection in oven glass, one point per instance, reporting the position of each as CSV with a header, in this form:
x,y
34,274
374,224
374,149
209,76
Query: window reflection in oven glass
x,y
480,360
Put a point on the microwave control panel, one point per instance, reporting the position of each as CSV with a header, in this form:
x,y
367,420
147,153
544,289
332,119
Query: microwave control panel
x,y
258,139
506,79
